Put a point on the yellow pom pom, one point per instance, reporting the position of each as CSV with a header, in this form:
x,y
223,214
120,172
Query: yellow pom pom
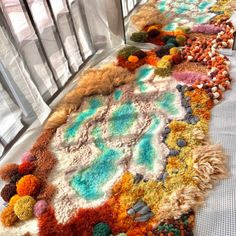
x,y
133,59
163,64
167,58
154,27
8,217
174,51
13,200
23,207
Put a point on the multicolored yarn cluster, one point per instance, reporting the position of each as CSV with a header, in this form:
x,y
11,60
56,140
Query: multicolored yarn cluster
x,y
127,151
21,192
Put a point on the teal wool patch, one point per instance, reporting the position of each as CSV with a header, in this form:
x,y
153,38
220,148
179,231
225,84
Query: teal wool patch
x,y
142,73
146,153
94,104
167,103
122,119
88,182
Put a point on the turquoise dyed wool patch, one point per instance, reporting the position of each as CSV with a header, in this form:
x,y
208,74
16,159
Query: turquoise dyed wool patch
x,y
94,104
122,119
146,151
89,182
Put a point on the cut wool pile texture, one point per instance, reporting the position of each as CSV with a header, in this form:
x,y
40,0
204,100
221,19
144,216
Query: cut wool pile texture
x,y
127,151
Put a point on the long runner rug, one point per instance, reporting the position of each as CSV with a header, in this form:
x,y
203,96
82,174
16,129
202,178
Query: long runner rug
x,y
127,151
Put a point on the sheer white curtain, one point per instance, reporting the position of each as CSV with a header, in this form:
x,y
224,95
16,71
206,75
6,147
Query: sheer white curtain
x,y
81,27
9,118
17,79
50,40
67,33
29,46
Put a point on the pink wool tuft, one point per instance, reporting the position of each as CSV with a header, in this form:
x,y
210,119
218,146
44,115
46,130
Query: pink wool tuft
x,y
40,207
27,157
189,77
206,28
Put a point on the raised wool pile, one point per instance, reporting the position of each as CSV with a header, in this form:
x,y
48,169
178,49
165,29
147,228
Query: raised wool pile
x,y
127,151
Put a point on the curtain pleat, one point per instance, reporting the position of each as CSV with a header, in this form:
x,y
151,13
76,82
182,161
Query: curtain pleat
x,y
65,27
50,40
81,28
17,78
10,122
28,44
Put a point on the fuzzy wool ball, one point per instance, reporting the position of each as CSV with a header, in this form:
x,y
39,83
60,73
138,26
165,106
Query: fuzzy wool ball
x,y
40,207
133,59
8,191
26,168
153,33
101,229
140,54
28,185
163,64
24,207
8,170
174,51
8,216
127,51
140,37
181,39
15,178
177,59
172,41
14,199
27,157
167,58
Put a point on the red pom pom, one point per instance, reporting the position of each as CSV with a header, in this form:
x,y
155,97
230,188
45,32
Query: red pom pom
x,y
26,168
177,59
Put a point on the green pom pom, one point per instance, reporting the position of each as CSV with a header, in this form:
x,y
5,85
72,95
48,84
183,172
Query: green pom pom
x,y
185,29
101,229
172,41
140,37
163,72
170,45
127,51
181,39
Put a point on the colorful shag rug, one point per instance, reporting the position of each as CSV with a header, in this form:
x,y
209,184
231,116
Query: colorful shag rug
x,y
127,151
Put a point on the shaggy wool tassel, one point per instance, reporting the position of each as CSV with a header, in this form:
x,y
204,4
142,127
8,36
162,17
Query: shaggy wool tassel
x,y
181,201
209,165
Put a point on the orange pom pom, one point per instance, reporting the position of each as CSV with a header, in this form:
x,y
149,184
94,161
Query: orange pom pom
x,y
133,59
28,185
8,217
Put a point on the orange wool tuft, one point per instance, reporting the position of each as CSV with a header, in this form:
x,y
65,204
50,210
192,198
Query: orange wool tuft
x,y
8,217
